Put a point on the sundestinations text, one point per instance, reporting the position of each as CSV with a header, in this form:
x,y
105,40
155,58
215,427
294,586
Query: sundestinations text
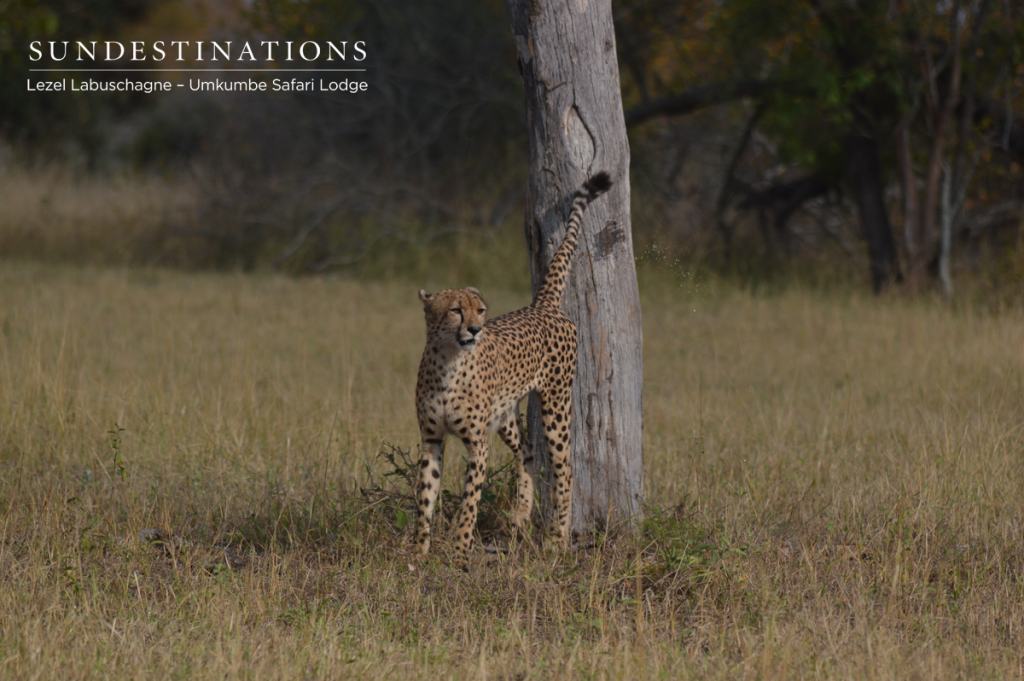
x,y
200,50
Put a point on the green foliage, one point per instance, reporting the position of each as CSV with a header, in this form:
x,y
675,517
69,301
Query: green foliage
x,y
838,67
444,85
828,65
31,118
175,132
679,541
21,18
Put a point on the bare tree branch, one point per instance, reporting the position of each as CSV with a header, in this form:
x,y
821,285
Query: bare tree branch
x,y
703,96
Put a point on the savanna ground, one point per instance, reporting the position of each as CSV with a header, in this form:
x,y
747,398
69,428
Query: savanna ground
x,y
192,485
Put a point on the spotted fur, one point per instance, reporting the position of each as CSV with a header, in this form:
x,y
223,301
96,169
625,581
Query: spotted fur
x,y
474,374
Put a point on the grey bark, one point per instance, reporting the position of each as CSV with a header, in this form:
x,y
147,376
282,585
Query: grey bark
x,y
924,242
567,58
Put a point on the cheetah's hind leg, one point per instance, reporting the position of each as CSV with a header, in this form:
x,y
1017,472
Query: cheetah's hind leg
x,y
512,434
556,415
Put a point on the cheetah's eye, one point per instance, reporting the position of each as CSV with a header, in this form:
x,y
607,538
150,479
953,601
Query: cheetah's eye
x,y
481,311
456,310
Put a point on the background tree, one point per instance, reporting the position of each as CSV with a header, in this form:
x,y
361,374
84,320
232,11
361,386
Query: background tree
x,y
840,85
566,56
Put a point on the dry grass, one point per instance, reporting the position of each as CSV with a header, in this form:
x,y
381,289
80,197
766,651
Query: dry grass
x,y
53,213
834,486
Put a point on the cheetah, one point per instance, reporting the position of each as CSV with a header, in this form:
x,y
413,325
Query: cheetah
x,y
474,374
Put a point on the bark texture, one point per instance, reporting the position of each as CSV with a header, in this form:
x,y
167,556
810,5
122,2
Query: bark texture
x,y
567,58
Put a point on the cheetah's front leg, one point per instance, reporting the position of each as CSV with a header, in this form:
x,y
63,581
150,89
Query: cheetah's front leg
x,y
430,484
476,445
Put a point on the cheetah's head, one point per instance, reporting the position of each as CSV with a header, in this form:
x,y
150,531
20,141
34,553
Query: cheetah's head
x,y
455,316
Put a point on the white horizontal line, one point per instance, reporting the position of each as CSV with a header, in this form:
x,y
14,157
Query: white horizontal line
x,y
219,71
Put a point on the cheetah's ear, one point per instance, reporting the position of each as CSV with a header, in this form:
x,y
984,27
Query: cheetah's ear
x,y
424,296
475,291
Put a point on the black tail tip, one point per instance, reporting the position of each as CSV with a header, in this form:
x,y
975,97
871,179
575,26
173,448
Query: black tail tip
x,y
597,185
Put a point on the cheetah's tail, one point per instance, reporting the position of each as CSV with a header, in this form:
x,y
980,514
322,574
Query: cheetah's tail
x,y
551,291
595,186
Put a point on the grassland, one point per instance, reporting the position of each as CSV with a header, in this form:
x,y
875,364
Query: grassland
x,y
834,488
51,212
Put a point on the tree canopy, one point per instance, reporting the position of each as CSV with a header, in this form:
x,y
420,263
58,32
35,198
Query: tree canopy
x,y
920,86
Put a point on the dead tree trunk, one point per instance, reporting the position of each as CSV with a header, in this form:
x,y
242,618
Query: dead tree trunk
x,y
567,59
